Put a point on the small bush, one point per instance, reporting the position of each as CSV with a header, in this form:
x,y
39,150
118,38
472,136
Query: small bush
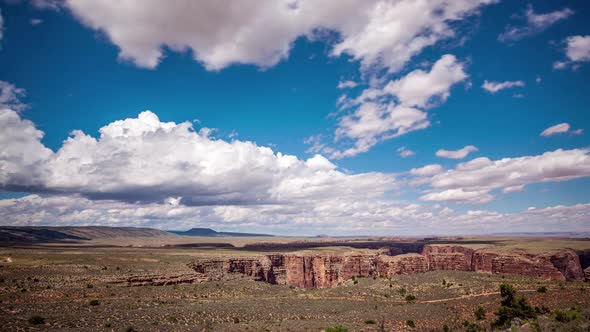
x,y
402,292
480,313
94,302
410,298
410,323
130,329
512,307
356,282
338,328
36,320
90,286
566,316
236,320
370,321
446,328
542,289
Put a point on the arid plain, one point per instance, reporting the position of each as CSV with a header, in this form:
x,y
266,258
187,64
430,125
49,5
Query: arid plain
x,y
165,282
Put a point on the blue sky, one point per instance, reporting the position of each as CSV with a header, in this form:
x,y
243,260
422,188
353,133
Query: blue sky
x,y
83,69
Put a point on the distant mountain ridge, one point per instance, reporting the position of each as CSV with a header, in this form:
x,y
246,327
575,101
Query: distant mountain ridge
x,y
213,233
39,234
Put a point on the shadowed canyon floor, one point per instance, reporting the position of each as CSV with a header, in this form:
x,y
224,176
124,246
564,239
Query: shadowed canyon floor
x,y
157,285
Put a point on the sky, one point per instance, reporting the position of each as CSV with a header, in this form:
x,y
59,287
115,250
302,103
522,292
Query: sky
x,y
298,117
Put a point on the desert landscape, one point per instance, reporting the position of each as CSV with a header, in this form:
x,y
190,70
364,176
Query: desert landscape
x,y
112,279
294,165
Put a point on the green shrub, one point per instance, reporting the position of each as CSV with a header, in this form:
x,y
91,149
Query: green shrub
x,y
370,321
542,289
446,328
410,323
36,320
355,282
236,320
480,313
512,307
402,292
337,328
94,302
566,316
90,286
410,298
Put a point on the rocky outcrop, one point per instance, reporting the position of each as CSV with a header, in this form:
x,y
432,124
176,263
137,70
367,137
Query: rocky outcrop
x,y
401,264
456,258
568,263
587,274
530,266
324,271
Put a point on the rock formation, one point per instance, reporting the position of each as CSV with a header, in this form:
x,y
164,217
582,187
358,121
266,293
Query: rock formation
x,y
323,271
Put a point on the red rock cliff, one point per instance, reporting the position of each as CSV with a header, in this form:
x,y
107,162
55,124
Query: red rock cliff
x,y
323,271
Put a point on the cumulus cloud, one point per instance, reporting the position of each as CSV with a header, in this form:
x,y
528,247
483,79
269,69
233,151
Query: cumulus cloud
x,y
336,217
419,88
22,156
478,177
456,154
398,108
145,159
427,170
577,50
475,196
494,87
535,23
560,128
221,33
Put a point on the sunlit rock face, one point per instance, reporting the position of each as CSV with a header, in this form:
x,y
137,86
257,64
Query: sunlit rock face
x,y
329,270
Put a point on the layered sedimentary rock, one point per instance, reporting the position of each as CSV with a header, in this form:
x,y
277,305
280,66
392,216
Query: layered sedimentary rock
x,y
323,271
448,257
587,274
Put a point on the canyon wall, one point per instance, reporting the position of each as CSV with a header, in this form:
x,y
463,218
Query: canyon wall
x,y
324,271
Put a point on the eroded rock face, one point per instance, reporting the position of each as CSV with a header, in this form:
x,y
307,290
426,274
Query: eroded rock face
x,y
587,274
324,271
568,263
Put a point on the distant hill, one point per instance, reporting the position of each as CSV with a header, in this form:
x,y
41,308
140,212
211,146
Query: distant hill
x,y
40,234
213,233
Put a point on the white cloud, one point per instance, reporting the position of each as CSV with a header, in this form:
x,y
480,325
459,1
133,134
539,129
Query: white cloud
x,y
346,84
22,156
482,175
427,170
144,159
377,118
494,87
476,196
10,96
36,21
336,217
577,50
419,88
560,128
535,23
456,154
221,33
404,152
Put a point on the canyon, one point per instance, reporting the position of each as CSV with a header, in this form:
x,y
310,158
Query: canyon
x,y
306,270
